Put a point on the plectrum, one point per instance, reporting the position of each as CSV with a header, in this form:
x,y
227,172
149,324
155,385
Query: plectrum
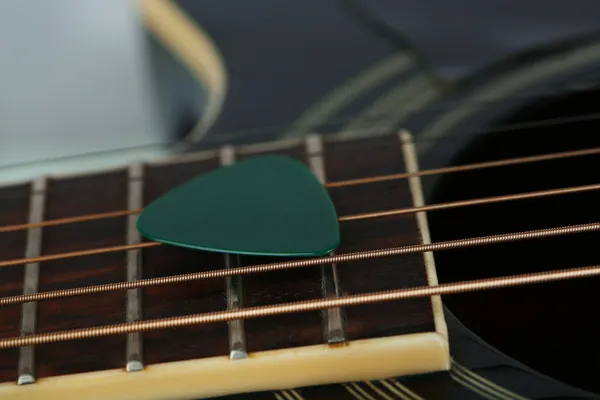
x,y
265,205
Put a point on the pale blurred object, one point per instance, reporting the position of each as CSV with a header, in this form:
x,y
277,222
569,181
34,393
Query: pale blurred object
x,y
83,76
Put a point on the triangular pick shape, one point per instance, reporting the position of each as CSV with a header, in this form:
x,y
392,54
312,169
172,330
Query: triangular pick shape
x,y
267,205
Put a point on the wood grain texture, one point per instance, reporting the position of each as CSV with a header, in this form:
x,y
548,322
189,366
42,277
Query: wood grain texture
x,y
108,192
185,298
371,157
280,331
64,199
14,210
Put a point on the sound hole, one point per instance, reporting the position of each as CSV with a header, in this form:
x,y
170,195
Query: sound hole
x,y
549,327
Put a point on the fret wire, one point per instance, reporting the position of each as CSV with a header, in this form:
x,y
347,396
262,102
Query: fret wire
x,y
333,319
237,336
309,262
359,181
411,163
304,306
233,284
378,214
26,366
134,346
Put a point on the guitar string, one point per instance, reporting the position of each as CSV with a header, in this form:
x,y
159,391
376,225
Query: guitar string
x,y
340,259
467,167
548,276
336,184
503,128
471,202
221,138
226,138
377,180
302,306
352,217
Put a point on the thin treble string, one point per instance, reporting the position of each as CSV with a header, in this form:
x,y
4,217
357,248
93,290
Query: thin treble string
x,y
379,214
468,167
501,128
69,220
225,138
339,259
302,306
471,202
335,184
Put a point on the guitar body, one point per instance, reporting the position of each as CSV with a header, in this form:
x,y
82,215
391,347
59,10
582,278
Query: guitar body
x,y
530,342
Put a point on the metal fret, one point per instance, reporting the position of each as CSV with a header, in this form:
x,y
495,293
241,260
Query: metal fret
x,y
237,337
134,360
411,162
333,326
26,371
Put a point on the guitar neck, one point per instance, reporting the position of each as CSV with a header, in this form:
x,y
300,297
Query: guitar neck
x,y
287,350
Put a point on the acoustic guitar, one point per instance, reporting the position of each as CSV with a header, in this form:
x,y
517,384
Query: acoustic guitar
x,y
91,310
470,278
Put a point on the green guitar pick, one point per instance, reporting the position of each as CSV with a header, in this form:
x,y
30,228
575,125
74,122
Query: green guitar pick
x,y
267,205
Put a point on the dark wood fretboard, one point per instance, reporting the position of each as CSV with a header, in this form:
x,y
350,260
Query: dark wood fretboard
x,y
332,159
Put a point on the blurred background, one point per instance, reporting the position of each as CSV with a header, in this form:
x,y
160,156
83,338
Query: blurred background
x,y
87,84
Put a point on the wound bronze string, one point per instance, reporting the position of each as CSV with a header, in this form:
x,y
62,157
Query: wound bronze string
x,y
340,259
302,306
